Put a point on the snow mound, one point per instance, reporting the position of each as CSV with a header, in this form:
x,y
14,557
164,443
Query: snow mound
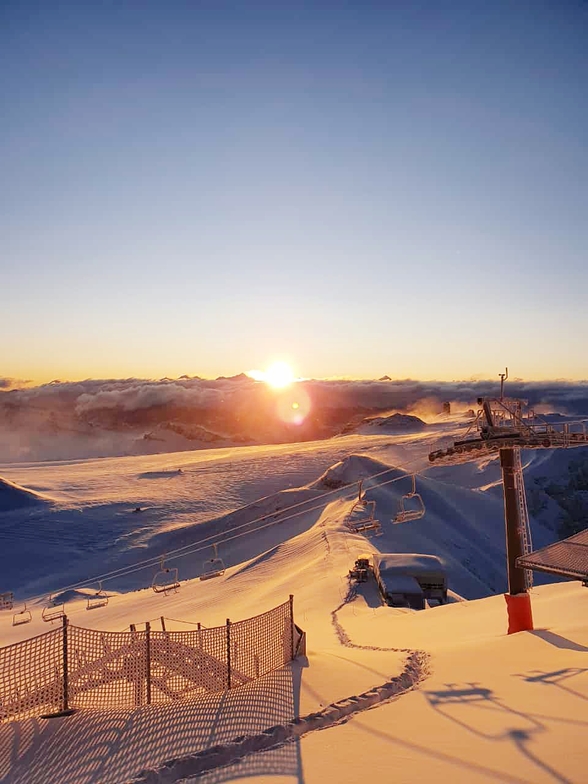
x,y
168,473
353,469
13,496
73,594
395,423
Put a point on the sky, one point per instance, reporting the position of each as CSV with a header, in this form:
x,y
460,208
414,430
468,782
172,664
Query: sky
x,y
357,189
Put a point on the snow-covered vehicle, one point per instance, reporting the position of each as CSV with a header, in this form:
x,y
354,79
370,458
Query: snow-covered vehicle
x,y
408,579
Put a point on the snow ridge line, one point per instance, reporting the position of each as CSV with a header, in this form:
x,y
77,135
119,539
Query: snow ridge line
x,y
415,671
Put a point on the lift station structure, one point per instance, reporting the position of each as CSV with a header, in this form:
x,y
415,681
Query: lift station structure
x,y
503,427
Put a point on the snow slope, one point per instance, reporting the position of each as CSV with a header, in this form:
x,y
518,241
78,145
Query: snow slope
x,y
442,693
13,497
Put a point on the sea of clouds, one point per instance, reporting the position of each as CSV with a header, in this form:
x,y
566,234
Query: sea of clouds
x,y
406,395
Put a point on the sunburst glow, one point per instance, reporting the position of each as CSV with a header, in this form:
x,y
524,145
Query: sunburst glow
x,y
279,375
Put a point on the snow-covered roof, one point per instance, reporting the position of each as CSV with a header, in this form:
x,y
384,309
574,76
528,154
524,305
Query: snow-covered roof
x,y
408,563
402,583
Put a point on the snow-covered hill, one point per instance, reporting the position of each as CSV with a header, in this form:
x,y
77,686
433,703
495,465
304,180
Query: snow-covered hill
x,y
14,497
437,690
392,424
93,526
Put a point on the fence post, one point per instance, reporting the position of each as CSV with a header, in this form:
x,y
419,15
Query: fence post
x,y
133,659
292,624
228,654
65,709
65,666
148,657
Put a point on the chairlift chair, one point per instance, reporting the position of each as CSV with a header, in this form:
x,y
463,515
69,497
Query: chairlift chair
x,y
361,512
166,579
416,508
214,567
369,508
22,616
53,610
368,523
6,600
364,526
98,599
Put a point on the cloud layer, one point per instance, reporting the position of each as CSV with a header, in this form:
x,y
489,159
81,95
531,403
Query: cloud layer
x,y
405,395
104,417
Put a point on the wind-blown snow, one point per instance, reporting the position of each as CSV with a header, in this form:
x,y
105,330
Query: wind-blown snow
x,y
13,497
441,693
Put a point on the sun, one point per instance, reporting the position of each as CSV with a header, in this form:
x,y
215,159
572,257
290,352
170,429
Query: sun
x,y
279,375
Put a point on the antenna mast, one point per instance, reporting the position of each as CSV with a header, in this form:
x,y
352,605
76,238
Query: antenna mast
x,y
503,377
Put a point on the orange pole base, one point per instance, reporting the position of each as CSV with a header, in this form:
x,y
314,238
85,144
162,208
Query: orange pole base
x,y
520,615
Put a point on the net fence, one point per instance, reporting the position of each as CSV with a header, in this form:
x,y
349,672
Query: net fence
x,y
261,644
31,676
74,667
185,663
106,669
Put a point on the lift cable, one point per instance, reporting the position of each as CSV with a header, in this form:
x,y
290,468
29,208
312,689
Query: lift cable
x,y
343,492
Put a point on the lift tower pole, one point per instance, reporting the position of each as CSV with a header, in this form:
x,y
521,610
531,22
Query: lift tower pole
x,y
518,601
515,541
505,429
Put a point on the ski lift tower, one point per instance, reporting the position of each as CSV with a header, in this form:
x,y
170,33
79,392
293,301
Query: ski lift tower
x,y
505,426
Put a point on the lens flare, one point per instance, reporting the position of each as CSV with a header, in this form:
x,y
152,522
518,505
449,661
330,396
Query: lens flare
x,y
293,405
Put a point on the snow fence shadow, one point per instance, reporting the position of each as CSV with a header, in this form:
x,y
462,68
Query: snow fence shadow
x,y
115,746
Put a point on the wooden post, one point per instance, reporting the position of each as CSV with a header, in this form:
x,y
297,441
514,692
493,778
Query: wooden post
x,y
65,666
162,619
65,709
228,654
132,660
148,658
293,651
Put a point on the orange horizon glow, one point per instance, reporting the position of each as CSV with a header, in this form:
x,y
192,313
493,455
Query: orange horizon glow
x,y
26,376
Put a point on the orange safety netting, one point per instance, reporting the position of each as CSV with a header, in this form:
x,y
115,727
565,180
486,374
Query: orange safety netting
x,y
129,669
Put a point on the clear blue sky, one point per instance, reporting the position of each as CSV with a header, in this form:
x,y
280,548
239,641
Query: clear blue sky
x,y
357,187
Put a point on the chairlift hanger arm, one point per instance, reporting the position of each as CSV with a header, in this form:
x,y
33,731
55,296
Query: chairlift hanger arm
x,y
53,610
